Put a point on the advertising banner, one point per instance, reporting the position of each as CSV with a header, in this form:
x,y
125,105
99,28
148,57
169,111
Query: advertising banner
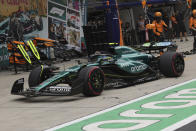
x,y
73,4
23,19
73,19
61,2
64,21
56,10
53,19
56,28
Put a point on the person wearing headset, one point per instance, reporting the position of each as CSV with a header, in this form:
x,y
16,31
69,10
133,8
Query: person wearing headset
x,y
192,22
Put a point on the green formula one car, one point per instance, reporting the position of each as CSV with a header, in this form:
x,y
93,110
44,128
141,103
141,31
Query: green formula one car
x,y
120,66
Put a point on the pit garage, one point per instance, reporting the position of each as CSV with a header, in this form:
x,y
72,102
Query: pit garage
x,y
73,65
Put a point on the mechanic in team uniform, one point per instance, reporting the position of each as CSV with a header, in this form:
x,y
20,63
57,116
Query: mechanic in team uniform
x,y
192,26
192,22
160,27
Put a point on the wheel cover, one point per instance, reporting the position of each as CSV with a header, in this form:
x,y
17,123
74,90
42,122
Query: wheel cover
x,y
179,64
96,79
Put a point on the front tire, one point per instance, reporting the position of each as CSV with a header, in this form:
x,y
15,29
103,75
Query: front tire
x,y
172,64
90,80
94,81
38,75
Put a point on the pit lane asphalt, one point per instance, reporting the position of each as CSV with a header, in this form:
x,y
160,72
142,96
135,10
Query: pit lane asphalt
x,y
21,114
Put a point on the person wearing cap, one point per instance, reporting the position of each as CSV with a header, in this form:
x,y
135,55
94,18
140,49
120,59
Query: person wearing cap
x,y
160,26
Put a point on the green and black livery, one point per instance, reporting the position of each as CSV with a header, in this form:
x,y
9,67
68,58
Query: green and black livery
x,y
120,66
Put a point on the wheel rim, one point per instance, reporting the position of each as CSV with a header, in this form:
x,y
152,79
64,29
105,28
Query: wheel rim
x,y
179,64
96,79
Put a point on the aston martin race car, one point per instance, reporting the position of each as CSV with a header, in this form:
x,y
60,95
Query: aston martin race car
x,y
118,67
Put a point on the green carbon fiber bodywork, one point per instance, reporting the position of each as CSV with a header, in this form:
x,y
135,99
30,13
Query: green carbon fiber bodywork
x,y
126,58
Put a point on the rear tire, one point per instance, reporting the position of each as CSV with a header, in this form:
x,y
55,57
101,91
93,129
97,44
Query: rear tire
x,y
172,64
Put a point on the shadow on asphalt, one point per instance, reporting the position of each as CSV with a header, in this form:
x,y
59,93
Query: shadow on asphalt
x,y
43,99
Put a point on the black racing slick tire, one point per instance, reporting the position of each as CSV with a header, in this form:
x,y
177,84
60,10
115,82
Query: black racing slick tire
x,y
92,81
38,75
172,64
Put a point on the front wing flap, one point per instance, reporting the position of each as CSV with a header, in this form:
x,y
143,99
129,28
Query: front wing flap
x,y
18,87
66,90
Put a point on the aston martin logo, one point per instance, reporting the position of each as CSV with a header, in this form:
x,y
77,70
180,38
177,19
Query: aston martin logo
x,y
133,68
